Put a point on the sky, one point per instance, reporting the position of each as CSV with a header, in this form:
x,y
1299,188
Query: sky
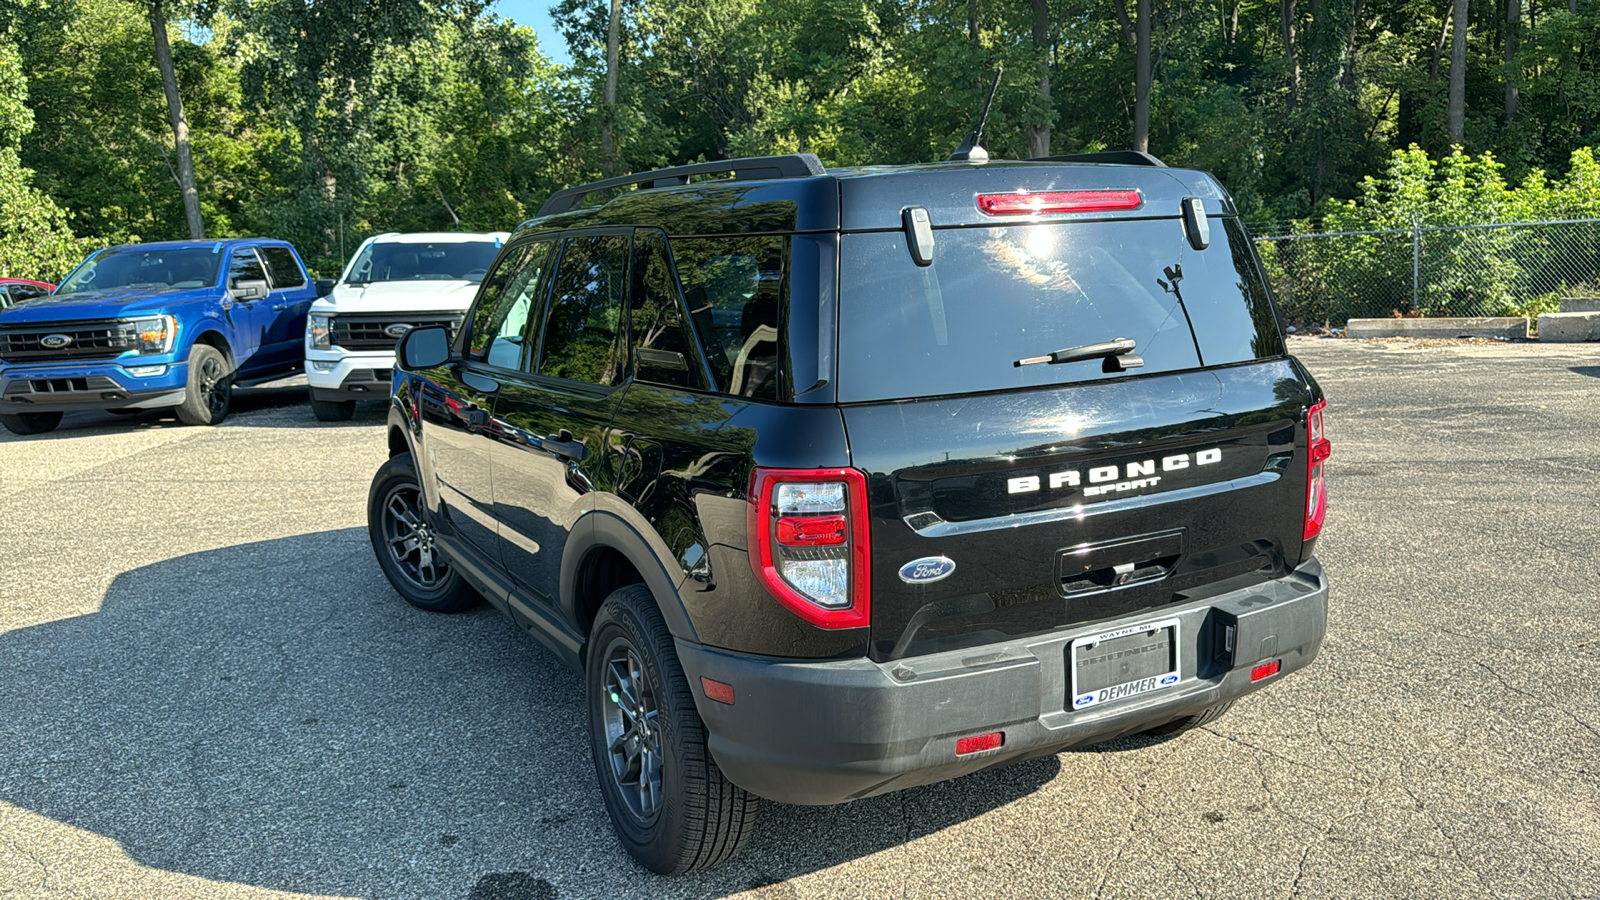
x,y
536,13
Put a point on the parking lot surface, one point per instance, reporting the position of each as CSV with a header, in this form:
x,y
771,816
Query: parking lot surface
x,y
207,689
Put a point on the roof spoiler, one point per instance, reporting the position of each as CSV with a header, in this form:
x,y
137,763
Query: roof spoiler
x,y
1111,157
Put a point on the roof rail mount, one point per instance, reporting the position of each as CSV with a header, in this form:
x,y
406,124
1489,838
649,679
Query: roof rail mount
x,y
1114,157
789,165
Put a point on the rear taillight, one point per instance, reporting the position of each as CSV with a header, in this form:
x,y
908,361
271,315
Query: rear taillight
x,y
1316,477
808,542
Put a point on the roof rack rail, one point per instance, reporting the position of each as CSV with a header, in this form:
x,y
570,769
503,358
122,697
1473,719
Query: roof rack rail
x,y
790,165
1115,157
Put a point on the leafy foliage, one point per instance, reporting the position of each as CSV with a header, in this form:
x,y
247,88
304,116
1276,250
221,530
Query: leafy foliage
x,y
323,122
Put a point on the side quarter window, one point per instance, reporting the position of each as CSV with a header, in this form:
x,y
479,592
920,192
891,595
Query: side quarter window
x,y
585,335
663,349
509,296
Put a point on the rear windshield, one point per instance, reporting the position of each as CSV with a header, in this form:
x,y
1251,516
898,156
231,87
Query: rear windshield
x,y
995,295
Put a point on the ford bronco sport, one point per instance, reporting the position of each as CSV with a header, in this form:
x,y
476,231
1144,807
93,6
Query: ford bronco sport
x,y
832,483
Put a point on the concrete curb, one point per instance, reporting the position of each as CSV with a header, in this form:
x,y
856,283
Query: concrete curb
x,y
1569,327
1511,328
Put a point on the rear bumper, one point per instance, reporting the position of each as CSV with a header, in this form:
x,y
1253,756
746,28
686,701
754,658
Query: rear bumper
x,y
66,388
832,731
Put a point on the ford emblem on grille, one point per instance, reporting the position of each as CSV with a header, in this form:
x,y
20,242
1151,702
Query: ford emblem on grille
x,y
927,570
55,341
397,329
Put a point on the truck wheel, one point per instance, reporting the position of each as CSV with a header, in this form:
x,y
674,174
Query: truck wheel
x,y
210,388
333,410
31,423
403,539
1190,723
670,805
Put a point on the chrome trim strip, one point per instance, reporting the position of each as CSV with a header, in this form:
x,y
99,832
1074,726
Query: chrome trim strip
x,y
929,524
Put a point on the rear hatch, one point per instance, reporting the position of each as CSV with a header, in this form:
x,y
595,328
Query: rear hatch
x,y
1070,492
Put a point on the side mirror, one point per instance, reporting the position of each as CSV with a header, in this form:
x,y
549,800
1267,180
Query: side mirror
x,y
424,348
245,291
325,286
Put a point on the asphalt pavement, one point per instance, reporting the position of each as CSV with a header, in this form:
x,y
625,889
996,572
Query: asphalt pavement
x,y
207,689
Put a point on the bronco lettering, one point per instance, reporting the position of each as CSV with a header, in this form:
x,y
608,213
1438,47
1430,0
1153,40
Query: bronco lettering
x,y
1103,479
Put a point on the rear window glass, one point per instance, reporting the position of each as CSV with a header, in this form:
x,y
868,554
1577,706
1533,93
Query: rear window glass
x,y
995,295
736,289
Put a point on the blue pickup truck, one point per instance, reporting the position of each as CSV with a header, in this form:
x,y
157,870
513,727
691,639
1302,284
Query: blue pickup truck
x,y
151,326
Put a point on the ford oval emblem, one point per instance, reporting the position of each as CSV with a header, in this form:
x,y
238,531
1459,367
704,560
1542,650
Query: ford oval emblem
x,y
397,329
55,341
927,570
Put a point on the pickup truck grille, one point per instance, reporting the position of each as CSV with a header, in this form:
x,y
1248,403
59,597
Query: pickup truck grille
x,y
61,386
370,332
85,340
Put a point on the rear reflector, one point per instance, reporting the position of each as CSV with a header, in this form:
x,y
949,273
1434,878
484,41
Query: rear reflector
x,y
717,690
812,531
1026,204
980,742
1265,670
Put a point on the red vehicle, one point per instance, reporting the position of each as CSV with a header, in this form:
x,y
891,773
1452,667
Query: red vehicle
x,y
16,290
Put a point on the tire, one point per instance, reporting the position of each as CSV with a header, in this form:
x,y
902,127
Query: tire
x,y
31,423
333,410
403,539
1189,723
689,816
210,389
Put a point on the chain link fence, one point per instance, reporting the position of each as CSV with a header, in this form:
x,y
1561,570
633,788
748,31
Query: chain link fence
x,y
1496,269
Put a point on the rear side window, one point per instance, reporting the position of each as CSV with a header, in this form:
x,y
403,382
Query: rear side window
x,y
1000,294
283,268
736,290
662,346
508,298
584,338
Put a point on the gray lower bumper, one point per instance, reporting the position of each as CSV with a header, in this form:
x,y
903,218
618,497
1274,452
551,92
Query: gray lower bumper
x,y
362,384
828,732
100,399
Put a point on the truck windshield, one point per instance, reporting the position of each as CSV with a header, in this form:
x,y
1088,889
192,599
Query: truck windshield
x,y
996,295
135,267
408,261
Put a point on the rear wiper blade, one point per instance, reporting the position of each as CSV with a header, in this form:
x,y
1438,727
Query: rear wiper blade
x,y
1118,354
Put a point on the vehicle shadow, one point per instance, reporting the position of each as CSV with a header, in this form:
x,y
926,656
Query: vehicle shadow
x,y
272,714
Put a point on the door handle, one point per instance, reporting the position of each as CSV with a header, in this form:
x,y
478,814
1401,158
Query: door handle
x,y
562,444
476,418
279,307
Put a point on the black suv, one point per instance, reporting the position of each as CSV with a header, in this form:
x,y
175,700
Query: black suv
x,y
832,483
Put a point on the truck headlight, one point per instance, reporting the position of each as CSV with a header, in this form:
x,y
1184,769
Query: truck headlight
x,y
154,336
319,332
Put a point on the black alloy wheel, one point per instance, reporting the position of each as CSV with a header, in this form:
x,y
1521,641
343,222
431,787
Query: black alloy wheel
x,y
409,538
406,544
209,392
632,730
670,805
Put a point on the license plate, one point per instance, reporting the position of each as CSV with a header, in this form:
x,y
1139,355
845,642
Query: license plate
x,y
1127,662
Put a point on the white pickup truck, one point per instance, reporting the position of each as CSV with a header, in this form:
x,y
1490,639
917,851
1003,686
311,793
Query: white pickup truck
x,y
393,283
